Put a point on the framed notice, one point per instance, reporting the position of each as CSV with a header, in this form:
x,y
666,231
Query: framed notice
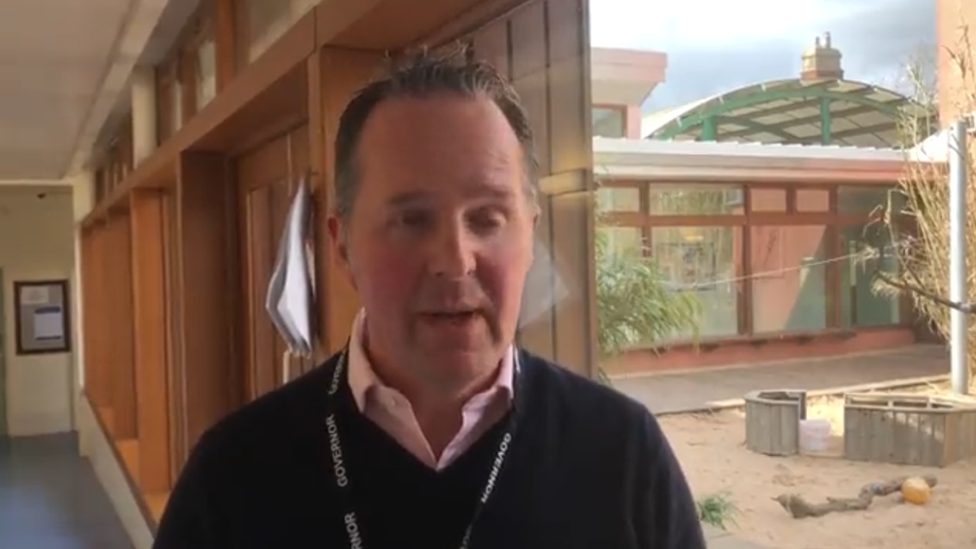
x,y
43,320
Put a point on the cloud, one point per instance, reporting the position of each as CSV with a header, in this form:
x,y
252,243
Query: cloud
x,y
717,45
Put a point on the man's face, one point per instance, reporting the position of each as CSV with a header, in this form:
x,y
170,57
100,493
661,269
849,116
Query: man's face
x,y
439,240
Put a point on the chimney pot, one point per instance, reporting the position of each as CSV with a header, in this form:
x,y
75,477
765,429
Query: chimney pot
x,y
822,61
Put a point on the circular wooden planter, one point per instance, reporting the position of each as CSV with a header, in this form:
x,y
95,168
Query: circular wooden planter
x,y
773,421
908,429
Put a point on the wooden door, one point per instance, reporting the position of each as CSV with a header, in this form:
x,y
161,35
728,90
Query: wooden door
x,y
267,177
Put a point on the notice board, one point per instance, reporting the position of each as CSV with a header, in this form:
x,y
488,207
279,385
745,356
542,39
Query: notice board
x,y
43,320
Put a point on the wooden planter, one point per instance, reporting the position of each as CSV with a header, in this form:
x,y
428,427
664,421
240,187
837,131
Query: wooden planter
x,y
908,429
773,421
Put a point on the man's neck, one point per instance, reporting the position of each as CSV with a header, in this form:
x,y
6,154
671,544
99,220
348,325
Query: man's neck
x,y
438,407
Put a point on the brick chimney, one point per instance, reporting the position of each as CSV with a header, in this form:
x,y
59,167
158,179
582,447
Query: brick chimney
x,y
821,62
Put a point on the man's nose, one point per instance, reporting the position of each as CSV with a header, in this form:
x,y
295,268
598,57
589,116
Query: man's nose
x,y
451,252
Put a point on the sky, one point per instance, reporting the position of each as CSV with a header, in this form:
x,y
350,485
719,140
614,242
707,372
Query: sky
x,y
718,45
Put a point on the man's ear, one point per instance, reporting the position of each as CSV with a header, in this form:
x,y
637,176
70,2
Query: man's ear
x,y
339,241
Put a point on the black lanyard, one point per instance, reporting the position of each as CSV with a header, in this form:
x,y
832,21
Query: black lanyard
x,y
350,520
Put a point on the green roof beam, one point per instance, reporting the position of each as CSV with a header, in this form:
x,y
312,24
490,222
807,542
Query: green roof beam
x,y
752,127
709,129
682,125
825,121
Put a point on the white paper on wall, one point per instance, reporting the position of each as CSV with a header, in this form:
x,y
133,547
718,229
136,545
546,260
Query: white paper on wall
x,y
290,298
49,323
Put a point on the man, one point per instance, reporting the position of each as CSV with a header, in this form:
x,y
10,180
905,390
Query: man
x,y
431,430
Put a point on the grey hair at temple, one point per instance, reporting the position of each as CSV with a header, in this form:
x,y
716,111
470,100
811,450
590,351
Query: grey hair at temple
x,y
424,74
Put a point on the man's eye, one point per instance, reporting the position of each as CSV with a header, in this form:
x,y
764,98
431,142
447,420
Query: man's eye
x,y
487,220
414,219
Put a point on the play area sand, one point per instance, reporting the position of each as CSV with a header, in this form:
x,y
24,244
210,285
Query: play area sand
x,y
712,451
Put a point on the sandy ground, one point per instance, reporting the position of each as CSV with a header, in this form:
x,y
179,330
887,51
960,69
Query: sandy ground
x,y
712,451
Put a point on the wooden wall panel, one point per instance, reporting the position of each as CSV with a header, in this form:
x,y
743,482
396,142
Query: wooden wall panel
x,y
146,208
265,211
120,334
544,48
206,220
264,181
94,259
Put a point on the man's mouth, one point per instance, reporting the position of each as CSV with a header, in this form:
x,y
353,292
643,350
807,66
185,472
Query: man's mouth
x,y
457,317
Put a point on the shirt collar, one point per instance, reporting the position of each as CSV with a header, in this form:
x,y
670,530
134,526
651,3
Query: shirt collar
x,y
362,377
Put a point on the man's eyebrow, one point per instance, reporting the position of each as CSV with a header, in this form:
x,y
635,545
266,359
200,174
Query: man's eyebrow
x,y
408,198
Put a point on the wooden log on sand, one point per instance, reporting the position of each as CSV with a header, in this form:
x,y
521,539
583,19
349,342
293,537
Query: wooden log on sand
x,y
800,508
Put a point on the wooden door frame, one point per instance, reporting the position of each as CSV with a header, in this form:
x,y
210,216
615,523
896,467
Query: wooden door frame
x,y
3,358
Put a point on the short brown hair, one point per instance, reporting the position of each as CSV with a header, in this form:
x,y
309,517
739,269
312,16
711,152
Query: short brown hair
x,y
424,74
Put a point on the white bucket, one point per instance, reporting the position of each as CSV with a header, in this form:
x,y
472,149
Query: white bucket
x,y
814,434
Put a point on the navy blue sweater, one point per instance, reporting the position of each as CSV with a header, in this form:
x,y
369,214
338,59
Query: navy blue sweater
x,y
588,468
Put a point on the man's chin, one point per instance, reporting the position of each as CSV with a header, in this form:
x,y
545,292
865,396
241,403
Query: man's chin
x,y
461,333
456,360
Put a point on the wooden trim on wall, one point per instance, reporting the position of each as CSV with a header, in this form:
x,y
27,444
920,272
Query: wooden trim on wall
x,y
175,381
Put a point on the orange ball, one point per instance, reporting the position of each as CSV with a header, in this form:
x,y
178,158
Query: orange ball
x,y
916,491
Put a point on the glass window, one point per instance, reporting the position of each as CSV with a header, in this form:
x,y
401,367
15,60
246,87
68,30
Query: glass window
x,y
623,241
707,262
267,20
767,200
176,105
677,199
101,184
206,80
168,99
618,199
789,292
860,305
812,200
609,122
868,200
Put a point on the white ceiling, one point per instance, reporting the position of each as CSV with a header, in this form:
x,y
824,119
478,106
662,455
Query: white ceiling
x,y
64,66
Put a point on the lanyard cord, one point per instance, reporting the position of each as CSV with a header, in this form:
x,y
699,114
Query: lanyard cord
x,y
336,450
